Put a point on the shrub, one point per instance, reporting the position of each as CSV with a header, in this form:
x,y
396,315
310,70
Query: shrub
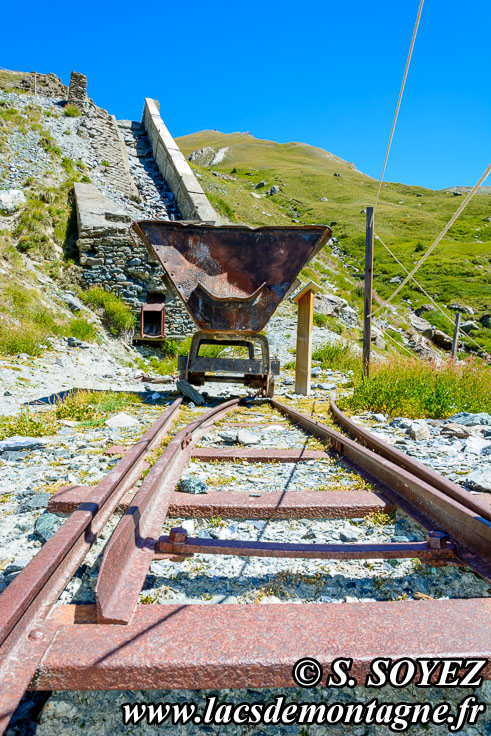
x,y
118,315
71,111
408,387
105,163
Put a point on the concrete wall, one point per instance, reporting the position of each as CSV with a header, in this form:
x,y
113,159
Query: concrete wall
x,y
113,260
191,199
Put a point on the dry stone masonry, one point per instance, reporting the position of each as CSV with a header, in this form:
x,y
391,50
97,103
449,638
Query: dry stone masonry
x,y
113,260
77,93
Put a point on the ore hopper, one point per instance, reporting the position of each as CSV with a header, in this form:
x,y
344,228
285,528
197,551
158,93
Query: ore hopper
x,y
231,279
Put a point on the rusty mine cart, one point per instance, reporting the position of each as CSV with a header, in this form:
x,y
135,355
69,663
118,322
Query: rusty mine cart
x,y
231,279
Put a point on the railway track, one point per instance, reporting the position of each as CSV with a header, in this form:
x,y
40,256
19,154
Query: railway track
x,y
118,643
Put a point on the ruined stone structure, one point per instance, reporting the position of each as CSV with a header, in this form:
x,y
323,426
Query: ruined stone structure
x,y
77,93
112,259
109,146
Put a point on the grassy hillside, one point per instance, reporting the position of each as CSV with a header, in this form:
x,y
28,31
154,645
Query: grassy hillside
x,y
408,217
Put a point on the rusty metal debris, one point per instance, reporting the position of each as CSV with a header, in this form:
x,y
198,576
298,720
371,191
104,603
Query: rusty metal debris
x,y
119,644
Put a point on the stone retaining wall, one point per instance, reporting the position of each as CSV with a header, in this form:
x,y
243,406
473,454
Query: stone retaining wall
x,y
113,260
191,199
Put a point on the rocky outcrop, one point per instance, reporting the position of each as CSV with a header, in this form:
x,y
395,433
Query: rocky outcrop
x,y
336,306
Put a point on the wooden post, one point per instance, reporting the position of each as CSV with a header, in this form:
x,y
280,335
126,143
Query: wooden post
x,y
455,341
367,316
305,321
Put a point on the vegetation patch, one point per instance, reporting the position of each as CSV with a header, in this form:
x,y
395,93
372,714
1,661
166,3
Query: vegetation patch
x,y
28,424
85,406
71,111
337,356
118,316
410,388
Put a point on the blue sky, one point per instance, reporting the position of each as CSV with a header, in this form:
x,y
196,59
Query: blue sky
x,y
326,73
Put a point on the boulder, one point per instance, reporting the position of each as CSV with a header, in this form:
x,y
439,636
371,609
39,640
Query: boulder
x,y
329,304
422,309
469,325
121,420
479,479
486,320
18,443
442,340
244,437
477,445
461,308
260,184
420,324
456,430
11,199
349,534
419,430
47,524
349,316
187,390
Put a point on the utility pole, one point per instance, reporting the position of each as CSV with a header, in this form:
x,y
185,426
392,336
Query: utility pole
x,y
367,314
455,341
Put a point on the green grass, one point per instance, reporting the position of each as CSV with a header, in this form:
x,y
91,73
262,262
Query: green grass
x,y
338,356
91,407
27,424
119,317
458,269
80,328
71,111
410,388
84,406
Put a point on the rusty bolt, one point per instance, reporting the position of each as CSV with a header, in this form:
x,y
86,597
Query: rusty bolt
x,y
178,535
35,634
437,540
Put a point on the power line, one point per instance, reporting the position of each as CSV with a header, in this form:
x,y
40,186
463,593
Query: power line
x,y
436,241
435,304
415,31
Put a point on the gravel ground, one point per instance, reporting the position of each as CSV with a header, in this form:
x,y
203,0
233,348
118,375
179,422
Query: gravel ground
x,y
77,456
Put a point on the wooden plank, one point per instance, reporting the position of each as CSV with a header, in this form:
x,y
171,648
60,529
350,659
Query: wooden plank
x,y
303,362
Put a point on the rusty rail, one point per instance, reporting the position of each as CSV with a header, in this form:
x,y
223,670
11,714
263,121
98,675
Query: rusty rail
x,y
129,553
118,644
428,505
29,598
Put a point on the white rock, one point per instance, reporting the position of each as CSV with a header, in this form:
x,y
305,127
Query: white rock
x,y
480,479
419,430
121,420
17,443
188,525
11,199
244,437
476,445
